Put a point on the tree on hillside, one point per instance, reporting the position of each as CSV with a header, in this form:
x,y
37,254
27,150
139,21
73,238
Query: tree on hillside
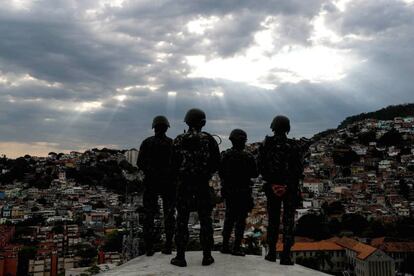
x,y
391,138
312,226
87,253
25,254
355,223
334,208
113,241
404,189
367,137
344,156
323,260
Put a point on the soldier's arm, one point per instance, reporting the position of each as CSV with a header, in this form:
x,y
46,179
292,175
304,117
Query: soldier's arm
x,y
175,157
221,170
142,156
260,157
253,171
295,164
215,155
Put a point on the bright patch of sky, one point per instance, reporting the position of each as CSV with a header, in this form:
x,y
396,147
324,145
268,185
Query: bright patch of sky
x,y
200,25
88,106
263,67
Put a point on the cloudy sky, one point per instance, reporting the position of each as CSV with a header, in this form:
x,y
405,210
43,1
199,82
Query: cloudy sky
x,y
78,74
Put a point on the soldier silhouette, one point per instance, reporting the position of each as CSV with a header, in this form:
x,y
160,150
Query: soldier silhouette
x,y
237,167
281,167
195,158
154,159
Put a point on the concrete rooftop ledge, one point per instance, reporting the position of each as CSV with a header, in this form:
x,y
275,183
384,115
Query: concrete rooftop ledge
x,y
159,264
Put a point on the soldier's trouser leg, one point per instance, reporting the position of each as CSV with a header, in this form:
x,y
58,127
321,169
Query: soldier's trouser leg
x,y
181,234
168,201
239,229
273,211
229,221
206,231
288,224
204,209
150,200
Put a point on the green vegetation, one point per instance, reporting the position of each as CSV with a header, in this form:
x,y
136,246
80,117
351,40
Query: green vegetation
x,y
113,241
387,113
320,227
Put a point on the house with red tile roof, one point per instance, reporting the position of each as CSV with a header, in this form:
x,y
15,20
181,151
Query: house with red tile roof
x,y
399,250
341,254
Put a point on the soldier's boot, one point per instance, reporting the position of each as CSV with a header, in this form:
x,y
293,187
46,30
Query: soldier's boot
x,y
285,256
271,254
149,250
237,250
167,250
225,248
207,258
238,235
179,259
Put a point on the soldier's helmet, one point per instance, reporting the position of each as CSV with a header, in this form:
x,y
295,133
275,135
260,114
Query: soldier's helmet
x,y
194,117
281,124
160,120
238,135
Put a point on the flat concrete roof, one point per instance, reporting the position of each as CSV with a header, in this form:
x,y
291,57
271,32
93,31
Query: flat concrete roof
x,y
227,265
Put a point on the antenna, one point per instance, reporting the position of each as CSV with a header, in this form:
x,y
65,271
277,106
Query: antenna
x,y
130,243
219,140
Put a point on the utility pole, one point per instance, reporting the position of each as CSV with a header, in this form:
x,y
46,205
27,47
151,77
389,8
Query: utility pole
x,y
130,244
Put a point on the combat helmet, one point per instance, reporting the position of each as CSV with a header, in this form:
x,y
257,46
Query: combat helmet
x,y
281,124
238,135
195,116
160,120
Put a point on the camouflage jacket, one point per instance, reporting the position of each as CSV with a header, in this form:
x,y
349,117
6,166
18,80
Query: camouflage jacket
x,y
195,155
280,161
154,157
237,167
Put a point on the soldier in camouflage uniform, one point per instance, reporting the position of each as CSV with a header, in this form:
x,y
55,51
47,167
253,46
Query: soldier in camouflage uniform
x,y
237,167
195,158
154,159
281,167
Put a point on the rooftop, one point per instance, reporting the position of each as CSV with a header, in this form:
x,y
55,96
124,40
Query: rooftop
x,y
312,246
363,250
227,265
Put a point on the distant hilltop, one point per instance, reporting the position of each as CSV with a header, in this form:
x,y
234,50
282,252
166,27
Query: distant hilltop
x,y
386,113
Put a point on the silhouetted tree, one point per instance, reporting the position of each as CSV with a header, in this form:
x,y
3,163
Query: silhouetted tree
x,y
312,226
355,223
113,241
391,138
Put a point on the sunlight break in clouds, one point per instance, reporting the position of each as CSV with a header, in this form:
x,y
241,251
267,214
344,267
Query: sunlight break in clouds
x,y
315,64
89,106
21,4
262,66
200,25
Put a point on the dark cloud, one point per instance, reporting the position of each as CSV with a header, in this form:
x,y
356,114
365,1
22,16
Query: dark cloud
x,y
373,17
78,74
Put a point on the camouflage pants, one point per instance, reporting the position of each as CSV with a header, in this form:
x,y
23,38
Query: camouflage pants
x,y
194,196
151,208
235,217
274,205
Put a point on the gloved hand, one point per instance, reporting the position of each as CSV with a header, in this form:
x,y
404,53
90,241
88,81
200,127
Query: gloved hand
x,y
279,189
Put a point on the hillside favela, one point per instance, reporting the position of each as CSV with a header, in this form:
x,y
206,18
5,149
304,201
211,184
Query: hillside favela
x,y
81,213
206,137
